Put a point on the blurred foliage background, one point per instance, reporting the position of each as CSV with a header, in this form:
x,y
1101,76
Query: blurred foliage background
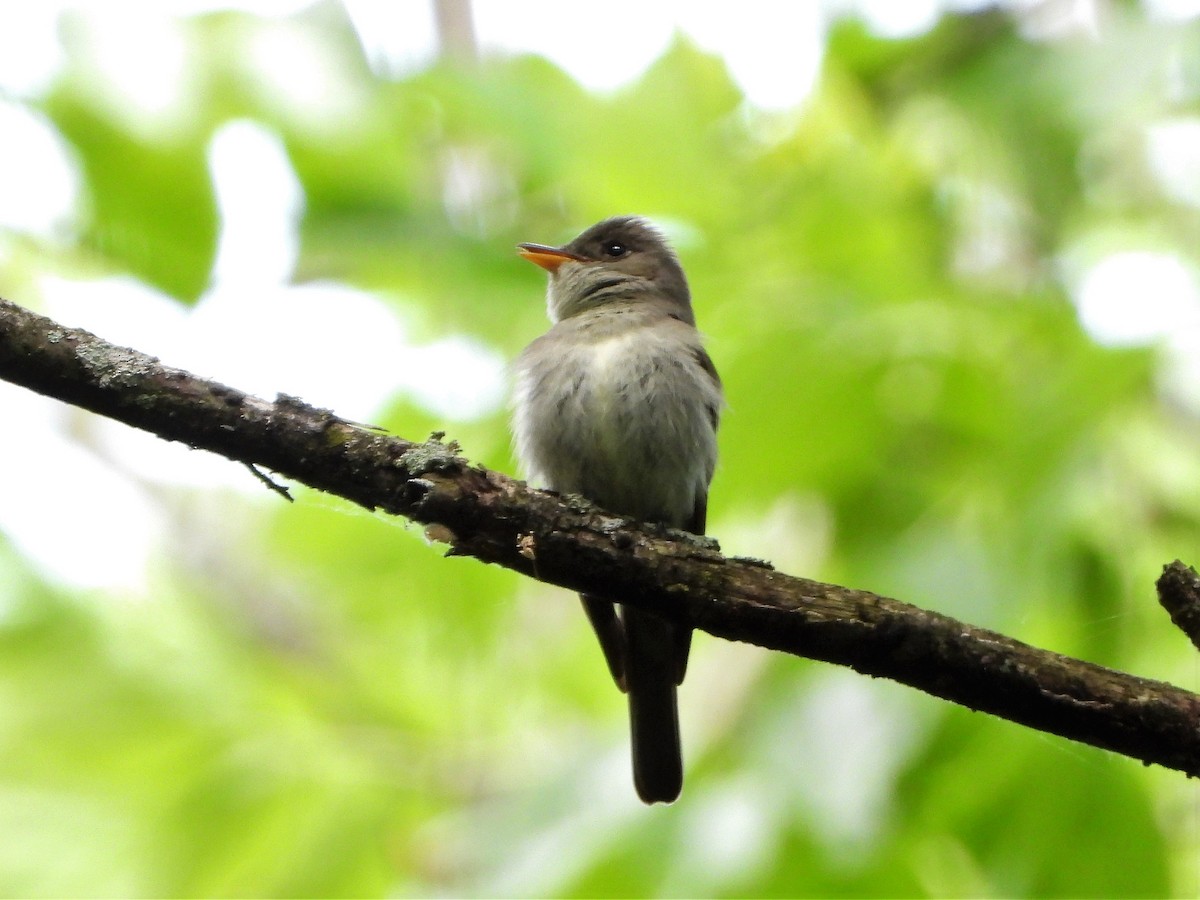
x,y
953,296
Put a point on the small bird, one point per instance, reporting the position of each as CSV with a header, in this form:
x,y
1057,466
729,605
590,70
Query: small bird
x,y
619,402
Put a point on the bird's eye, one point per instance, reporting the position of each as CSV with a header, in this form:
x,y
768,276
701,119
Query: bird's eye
x,y
614,249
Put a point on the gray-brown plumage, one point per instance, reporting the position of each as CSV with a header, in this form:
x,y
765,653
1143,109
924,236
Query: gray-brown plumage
x,y
619,402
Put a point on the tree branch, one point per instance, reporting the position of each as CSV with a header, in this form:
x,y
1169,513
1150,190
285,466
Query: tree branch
x,y
568,542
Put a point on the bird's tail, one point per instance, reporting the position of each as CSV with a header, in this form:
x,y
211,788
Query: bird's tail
x,y
652,670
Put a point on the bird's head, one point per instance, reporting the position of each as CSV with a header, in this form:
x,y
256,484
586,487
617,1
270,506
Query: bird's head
x,y
620,260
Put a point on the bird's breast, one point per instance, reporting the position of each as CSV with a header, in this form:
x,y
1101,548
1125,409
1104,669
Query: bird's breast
x,y
619,417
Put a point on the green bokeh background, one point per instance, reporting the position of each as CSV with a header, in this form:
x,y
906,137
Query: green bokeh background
x,y
313,701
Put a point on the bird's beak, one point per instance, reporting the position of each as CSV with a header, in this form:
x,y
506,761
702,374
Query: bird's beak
x,y
549,258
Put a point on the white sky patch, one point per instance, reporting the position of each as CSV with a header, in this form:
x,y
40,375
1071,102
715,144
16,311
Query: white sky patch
x,y
398,38
896,20
199,7
40,486
1173,151
39,180
1172,10
137,61
298,70
1141,298
457,377
30,53
773,49
603,48
1137,297
337,347
260,200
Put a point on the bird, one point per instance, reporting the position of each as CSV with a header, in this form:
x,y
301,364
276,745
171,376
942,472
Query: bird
x,y
620,402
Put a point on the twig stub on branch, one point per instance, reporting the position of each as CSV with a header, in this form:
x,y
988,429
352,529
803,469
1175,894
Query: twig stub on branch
x,y
1179,594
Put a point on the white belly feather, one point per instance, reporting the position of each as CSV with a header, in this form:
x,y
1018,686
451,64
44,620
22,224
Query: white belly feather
x,y
625,420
